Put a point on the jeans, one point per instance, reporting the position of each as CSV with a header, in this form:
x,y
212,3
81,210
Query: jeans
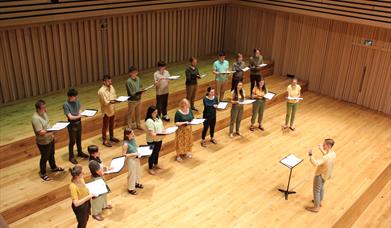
x,y
47,153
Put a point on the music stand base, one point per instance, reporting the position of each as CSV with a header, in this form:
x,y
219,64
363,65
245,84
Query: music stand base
x,y
286,192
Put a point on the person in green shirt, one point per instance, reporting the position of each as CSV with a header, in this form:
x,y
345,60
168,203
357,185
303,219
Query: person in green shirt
x,y
133,87
184,134
44,139
220,69
129,149
154,125
258,94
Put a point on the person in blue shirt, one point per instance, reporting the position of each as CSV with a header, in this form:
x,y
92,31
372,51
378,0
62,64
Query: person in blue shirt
x,y
129,149
221,70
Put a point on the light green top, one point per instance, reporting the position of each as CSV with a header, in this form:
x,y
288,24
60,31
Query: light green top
x,y
156,126
221,67
41,122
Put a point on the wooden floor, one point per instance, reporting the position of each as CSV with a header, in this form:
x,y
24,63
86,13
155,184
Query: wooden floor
x,y
234,183
378,213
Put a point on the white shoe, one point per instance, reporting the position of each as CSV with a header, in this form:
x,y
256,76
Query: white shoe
x,y
179,159
189,155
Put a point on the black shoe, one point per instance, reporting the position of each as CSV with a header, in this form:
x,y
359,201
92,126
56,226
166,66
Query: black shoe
x,y
139,185
83,155
114,140
132,192
166,119
194,109
58,169
73,161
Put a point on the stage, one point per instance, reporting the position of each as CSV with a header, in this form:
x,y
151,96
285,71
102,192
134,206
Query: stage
x,y
235,182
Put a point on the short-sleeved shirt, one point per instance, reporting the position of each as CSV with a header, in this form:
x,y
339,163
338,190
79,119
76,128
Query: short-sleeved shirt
x,y
259,92
94,167
41,122
78,190
71,107
293,91
156,126
162,85
182,117
221,67
107,94
132,146
209,109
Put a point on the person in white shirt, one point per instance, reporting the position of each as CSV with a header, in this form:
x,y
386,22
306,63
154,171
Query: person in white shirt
x,y
324,169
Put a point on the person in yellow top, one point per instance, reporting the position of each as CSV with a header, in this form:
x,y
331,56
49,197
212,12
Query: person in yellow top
x,y
292,104
324,170
107,98
80,196
258,92
237,95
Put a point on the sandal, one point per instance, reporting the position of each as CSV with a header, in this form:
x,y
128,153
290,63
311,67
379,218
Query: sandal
x,y
203,143
45,177
108,207
213,141
58,169
251,128
139,185
132,192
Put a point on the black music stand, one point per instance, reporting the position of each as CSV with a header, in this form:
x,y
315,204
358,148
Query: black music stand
x,y
290,161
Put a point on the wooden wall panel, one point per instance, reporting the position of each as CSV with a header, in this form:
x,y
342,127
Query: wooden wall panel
x,y
44,58
330,55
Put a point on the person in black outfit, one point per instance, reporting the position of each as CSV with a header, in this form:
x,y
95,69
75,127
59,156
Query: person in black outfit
x,y
210,105
192,75
255,68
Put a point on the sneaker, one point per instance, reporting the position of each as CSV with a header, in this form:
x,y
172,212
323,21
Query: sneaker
x,y
132,192
73,161
213,141
114,140
83,155
179,159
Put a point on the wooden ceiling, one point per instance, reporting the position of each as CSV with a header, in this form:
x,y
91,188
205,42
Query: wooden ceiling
x,y
21,12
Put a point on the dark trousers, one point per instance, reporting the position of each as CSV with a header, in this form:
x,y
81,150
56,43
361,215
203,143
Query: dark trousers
x,y
161,104
154,158
108,121
253,80
209,122
235,82
74,132
47,153
82,213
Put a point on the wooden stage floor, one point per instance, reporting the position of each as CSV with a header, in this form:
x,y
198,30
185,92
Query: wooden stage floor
x,y
234,183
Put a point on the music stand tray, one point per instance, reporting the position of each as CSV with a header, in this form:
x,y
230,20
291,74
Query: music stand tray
x,y
290,161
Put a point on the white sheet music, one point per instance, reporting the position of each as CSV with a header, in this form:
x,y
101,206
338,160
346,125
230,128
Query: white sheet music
x,y
58,126
246,69
222,105
269,95
122,98
144,151
291,160
295,98
246,102
168,131
174,77
89,112
263,64
196,121
116,165
97,187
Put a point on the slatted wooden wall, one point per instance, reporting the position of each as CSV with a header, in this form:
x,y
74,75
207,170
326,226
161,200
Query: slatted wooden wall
x,y
44,58
329,54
